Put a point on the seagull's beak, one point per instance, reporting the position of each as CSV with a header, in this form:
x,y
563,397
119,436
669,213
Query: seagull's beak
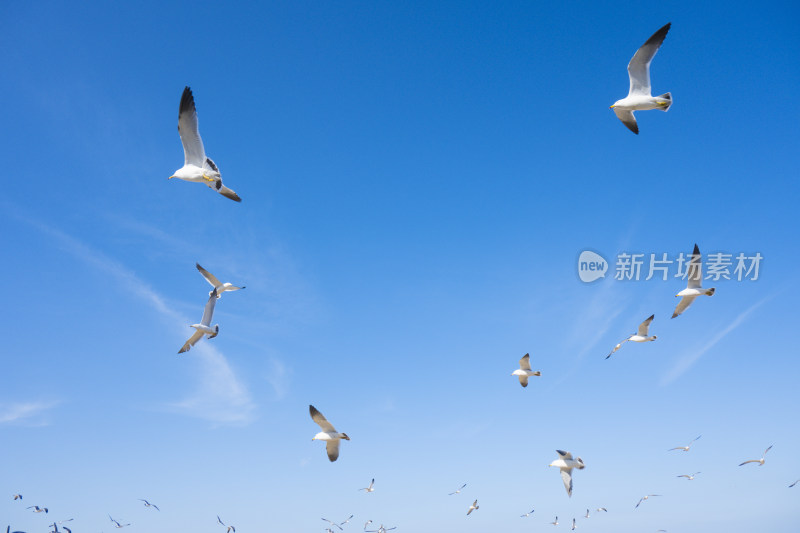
x,y
611,107
169,178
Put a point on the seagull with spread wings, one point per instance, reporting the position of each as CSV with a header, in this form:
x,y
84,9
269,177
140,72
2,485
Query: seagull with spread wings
x,y
641,335
759,461
473,507
217,284
639,97
693,288
458,491
524,371
148,504
645,498
690,477
566,463
197,166
204,327
371,487
329,434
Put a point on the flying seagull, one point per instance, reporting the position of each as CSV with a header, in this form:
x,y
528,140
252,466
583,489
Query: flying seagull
x,y
603,509
684,448
328,433
587,514
639,98
459,490
555,522
117,524
524,371
645,498
204,327
573,525
640,335
690,477
218,286
759,461
196,166
473,507
368,522
148,504
17,496
693,288
371,487
526,514
346,521
230,529
566,463
37,509
331,522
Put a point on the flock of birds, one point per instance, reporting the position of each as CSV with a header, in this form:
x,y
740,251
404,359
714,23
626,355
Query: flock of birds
x,y
200,168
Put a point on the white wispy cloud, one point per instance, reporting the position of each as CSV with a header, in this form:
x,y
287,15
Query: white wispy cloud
x,y
24,412
690,358
219,396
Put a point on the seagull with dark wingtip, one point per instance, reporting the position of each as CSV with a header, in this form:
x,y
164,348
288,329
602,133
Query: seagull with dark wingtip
x,y
197,166
329,434
639,97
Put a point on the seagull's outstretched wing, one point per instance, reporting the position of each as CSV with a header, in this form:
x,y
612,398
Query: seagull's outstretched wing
x,y
617,347
227,192
564,455
768,449
321,421
525,362
196,336
685,302
695,274
193,151
644,326
750,461
639,67
332,447
208,312
211,278
566,476
628,119
523,380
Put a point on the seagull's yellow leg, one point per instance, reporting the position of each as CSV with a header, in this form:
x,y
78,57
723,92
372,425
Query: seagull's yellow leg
x,y
207,178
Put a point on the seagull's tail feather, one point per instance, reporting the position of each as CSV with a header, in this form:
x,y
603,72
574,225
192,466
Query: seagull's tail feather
x,y
710,292
664,101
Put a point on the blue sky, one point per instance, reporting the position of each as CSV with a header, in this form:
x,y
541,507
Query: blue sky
x,y
418,181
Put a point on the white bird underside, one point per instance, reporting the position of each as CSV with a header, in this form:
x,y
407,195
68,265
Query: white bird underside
x,y
328,433
639,93
694,275
197,167
214,282
204,328
566,463
525,371
641,335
